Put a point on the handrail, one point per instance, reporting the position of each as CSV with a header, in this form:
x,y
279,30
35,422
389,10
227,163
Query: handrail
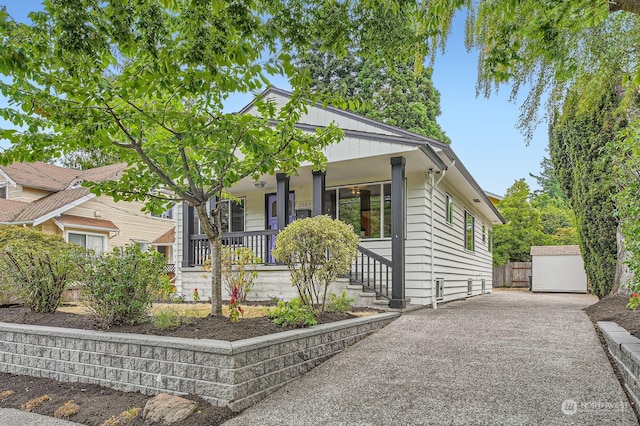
x,y
375,256
372,272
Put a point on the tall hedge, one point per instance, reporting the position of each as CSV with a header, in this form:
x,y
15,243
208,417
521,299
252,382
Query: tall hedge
x,y
576,141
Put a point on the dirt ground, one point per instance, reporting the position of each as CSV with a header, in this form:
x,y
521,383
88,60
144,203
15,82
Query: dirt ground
x,y
613,308
207,327
107,407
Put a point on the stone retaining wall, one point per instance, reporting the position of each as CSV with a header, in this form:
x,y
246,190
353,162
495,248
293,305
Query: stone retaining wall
x,y
236,374
625,349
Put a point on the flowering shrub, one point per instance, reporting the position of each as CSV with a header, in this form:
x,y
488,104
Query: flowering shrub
x,y
196,295
634,301
235,310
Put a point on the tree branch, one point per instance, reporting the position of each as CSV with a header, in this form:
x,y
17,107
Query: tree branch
x,y
631,6
136,146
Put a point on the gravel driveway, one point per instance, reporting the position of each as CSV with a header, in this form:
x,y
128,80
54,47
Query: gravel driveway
x,y
511,358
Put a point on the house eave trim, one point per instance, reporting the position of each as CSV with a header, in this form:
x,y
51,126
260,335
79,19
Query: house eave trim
x,y
62,209
8,178
465,173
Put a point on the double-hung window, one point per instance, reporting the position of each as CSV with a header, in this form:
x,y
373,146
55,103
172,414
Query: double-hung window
x,y
469,231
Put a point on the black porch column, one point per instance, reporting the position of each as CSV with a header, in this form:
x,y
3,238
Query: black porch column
x,y
282,197
397,232
318,192
187,229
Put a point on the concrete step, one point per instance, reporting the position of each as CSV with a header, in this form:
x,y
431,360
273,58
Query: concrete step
x,y
382,302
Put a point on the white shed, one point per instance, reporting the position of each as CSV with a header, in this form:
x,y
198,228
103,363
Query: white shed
x,y
558,269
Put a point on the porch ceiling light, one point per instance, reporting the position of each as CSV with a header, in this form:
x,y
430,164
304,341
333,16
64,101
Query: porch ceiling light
x,y
259,184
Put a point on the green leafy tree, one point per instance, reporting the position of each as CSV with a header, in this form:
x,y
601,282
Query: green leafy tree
x,y
146,82
550,191
394,94
577,143
512,241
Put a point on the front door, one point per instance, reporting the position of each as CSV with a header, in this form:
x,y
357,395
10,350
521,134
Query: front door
x,y
272,210
271,215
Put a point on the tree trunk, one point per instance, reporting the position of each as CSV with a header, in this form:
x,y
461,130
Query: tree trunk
x,y
623,274
631,6
216,268
211,226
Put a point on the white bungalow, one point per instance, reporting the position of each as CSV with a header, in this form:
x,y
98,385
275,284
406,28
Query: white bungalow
x,y
424,222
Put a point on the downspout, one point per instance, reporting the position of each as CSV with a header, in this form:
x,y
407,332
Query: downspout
x,y
434,303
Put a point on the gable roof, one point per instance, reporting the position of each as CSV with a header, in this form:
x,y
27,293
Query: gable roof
x,y
56,180
432,148
10,208
50,177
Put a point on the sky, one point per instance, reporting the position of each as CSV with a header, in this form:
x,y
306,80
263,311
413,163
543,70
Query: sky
x,y
482,130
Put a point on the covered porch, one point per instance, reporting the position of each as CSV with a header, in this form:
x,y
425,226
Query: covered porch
x,y
369,193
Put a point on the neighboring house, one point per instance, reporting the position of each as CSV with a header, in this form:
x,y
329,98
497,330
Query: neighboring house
x,y
494,198
557,269
52,199
424,222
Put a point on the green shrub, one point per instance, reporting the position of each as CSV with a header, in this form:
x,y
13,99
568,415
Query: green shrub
x,y
119,286
340,304
316,250
171,318
293,314
35,268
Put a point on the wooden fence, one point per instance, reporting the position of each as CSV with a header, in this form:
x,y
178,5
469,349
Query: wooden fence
x,y
513,274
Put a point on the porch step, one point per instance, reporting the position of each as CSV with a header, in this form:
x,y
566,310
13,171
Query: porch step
x,y
383,302
367,294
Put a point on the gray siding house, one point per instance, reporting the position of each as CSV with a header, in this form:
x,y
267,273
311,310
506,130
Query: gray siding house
x,y
424,222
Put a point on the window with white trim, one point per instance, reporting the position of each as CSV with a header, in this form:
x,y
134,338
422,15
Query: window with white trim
x,y
469,231
449,209
3,192
366,207
93,242
166,215
232,217
484,233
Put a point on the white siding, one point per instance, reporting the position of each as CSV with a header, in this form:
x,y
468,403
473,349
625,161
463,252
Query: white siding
x,y
320,117
418,242
452,261
350,148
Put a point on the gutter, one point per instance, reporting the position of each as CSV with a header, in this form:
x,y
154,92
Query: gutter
x,y
434,303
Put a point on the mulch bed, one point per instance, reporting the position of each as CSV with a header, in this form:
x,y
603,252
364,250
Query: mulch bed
x,y
219,328
99,404
613,308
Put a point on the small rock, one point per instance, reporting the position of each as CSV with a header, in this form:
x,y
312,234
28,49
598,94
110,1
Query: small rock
x,y
168,409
